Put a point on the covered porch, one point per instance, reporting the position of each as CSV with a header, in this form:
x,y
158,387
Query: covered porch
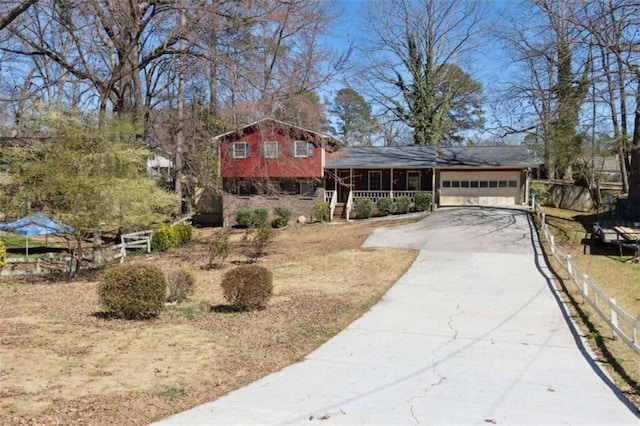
x,y
344,186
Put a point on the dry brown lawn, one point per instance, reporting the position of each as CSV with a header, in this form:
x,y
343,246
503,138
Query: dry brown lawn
x,y
617,276
62,363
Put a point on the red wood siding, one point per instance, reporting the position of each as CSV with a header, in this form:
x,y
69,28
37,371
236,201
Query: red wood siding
x,y
257,166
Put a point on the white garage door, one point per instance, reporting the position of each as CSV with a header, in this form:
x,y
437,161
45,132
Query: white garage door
x,y
487,188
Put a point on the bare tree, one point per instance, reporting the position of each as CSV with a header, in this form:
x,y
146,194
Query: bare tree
x,y
14,10
417,46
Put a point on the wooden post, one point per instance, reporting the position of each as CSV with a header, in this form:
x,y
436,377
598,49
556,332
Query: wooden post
x,y
585,286
569,266
614,319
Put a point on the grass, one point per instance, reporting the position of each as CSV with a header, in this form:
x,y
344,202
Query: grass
x,y
615,276
62,363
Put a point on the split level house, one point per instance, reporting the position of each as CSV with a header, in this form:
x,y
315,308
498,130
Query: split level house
x,y
269,163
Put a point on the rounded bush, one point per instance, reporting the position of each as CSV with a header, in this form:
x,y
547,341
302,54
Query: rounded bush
x,y
260,217
164,239
181,283
363,208
132,291
279,222
403,204
245,218
248,287
183,232
423,201
283,212
384,205
321,211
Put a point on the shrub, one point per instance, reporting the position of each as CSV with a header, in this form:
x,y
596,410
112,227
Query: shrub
x,y
183,232
260,217
256,242
132,291
282,217
283,212
423,201
248,287
540,190
403,204
321,211
219,249
3,255
181,284
279,222
164,239
384,205
363,208
245,218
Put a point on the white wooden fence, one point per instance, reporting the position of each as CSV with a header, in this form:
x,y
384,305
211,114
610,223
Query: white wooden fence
x,y
623,325
45,265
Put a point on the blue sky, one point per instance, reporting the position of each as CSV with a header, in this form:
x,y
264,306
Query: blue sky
x,y
491,66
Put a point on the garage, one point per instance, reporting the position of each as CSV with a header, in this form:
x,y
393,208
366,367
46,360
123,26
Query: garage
x,y
498,188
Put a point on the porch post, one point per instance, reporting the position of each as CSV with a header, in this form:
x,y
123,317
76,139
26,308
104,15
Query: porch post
x,y
433,185
526,188
391,185
335,180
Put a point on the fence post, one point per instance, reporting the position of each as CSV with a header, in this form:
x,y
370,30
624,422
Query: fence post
x,y
149,244
585,287
569,266
614,319
123,252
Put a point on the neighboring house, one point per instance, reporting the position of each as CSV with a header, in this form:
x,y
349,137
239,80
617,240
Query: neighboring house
x,y
159,164
269,163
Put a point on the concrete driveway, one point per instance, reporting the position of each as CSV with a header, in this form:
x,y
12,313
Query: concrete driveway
x,y
473,333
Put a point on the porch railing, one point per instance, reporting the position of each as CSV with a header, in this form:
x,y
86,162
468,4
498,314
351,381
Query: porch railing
x,y
328,195
349,204
332,203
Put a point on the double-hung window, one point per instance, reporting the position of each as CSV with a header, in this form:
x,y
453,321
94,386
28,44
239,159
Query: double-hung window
x,y
375,181
302,149
240,150
271,149
413,181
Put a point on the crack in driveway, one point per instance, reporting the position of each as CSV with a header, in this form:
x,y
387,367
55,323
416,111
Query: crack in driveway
x,y
435,362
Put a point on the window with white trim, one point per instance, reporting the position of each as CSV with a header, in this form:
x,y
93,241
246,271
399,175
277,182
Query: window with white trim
x,y
240,150
302,149
413,181
375,181
270,149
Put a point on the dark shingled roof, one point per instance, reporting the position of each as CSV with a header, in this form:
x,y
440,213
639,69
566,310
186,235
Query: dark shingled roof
x,y
415,156
487,156
412,156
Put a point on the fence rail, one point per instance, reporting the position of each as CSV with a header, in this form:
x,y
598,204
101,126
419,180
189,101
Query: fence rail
x,y
45,265
623,325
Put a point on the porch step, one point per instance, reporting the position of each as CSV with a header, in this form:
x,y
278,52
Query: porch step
x,y
340,212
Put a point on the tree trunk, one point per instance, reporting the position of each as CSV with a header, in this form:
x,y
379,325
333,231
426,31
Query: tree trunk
x,y
634,171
